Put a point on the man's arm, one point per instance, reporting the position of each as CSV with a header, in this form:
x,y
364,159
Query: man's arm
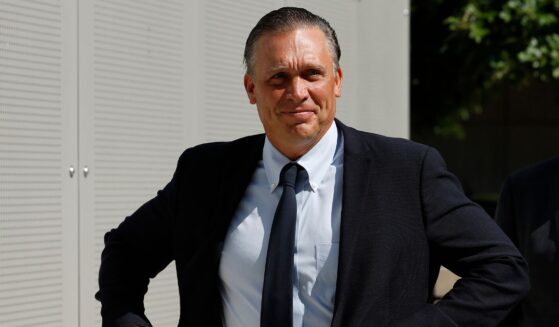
x,y
134,252
468,242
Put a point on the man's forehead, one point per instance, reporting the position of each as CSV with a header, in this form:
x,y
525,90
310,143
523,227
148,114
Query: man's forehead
x,y
273,36
298,48
307,58
311,41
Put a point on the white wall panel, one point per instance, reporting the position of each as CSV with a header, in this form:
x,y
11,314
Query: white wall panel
x,y
132,120
38,199
383,61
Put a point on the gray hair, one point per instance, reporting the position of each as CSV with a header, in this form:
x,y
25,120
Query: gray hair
x,y
287,19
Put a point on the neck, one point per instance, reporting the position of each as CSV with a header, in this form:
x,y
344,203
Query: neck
x,y
299,147
294,153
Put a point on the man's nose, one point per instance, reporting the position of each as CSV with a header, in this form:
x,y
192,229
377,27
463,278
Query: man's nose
x,y
297,89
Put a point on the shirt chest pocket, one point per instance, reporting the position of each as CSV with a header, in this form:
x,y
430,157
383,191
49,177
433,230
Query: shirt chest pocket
x,y
327,269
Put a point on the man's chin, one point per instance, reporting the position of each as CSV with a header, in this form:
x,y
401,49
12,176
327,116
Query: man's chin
x,y
306,131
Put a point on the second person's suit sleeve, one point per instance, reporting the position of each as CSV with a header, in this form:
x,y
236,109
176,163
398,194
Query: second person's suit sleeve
x,y
505,218
504,214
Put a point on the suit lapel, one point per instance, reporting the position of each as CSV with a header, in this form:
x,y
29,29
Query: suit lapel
x,y
242,159
358,175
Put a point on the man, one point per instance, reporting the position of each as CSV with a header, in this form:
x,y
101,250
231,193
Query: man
x,y
313,223
528,211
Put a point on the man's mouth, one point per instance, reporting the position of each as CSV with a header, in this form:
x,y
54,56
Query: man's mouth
x,y
299,111
300,114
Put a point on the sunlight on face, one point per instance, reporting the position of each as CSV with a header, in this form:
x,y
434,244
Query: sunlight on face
x,y
294,85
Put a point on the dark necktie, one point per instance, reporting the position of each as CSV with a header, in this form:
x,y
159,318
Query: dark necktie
x,y
277,293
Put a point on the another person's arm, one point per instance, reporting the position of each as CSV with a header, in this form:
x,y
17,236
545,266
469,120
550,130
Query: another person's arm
x,y
505,218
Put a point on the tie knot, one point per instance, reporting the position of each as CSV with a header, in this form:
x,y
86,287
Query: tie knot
x,y
291,174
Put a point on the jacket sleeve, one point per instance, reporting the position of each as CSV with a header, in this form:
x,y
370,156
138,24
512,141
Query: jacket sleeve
x,y
467,241
137,250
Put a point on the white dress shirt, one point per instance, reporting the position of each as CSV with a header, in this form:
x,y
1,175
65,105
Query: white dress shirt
x,y
317,237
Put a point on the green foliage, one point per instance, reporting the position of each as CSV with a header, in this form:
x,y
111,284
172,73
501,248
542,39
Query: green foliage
x,y
519,37
484,45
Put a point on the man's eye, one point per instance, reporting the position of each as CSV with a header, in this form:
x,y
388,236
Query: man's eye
x,y
313,73
278,76
278,79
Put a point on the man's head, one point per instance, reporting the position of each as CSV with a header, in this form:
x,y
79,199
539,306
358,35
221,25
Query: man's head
x,y
293,77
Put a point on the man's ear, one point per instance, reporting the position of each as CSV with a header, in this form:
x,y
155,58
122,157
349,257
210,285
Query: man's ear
x,y
338,82
249,87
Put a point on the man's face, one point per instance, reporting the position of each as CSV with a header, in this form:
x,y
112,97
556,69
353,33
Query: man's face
x,y
294,86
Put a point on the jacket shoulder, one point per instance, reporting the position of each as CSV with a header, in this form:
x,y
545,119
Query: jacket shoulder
x,y
215,152
380,146
536,175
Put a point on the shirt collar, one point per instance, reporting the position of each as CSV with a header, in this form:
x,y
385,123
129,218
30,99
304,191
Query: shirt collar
x,y
313,161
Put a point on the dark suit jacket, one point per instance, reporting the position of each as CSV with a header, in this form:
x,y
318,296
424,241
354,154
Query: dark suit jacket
x,y
528,211
403,214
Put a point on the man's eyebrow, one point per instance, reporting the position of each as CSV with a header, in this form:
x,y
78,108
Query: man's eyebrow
x,y
317,66
277,68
